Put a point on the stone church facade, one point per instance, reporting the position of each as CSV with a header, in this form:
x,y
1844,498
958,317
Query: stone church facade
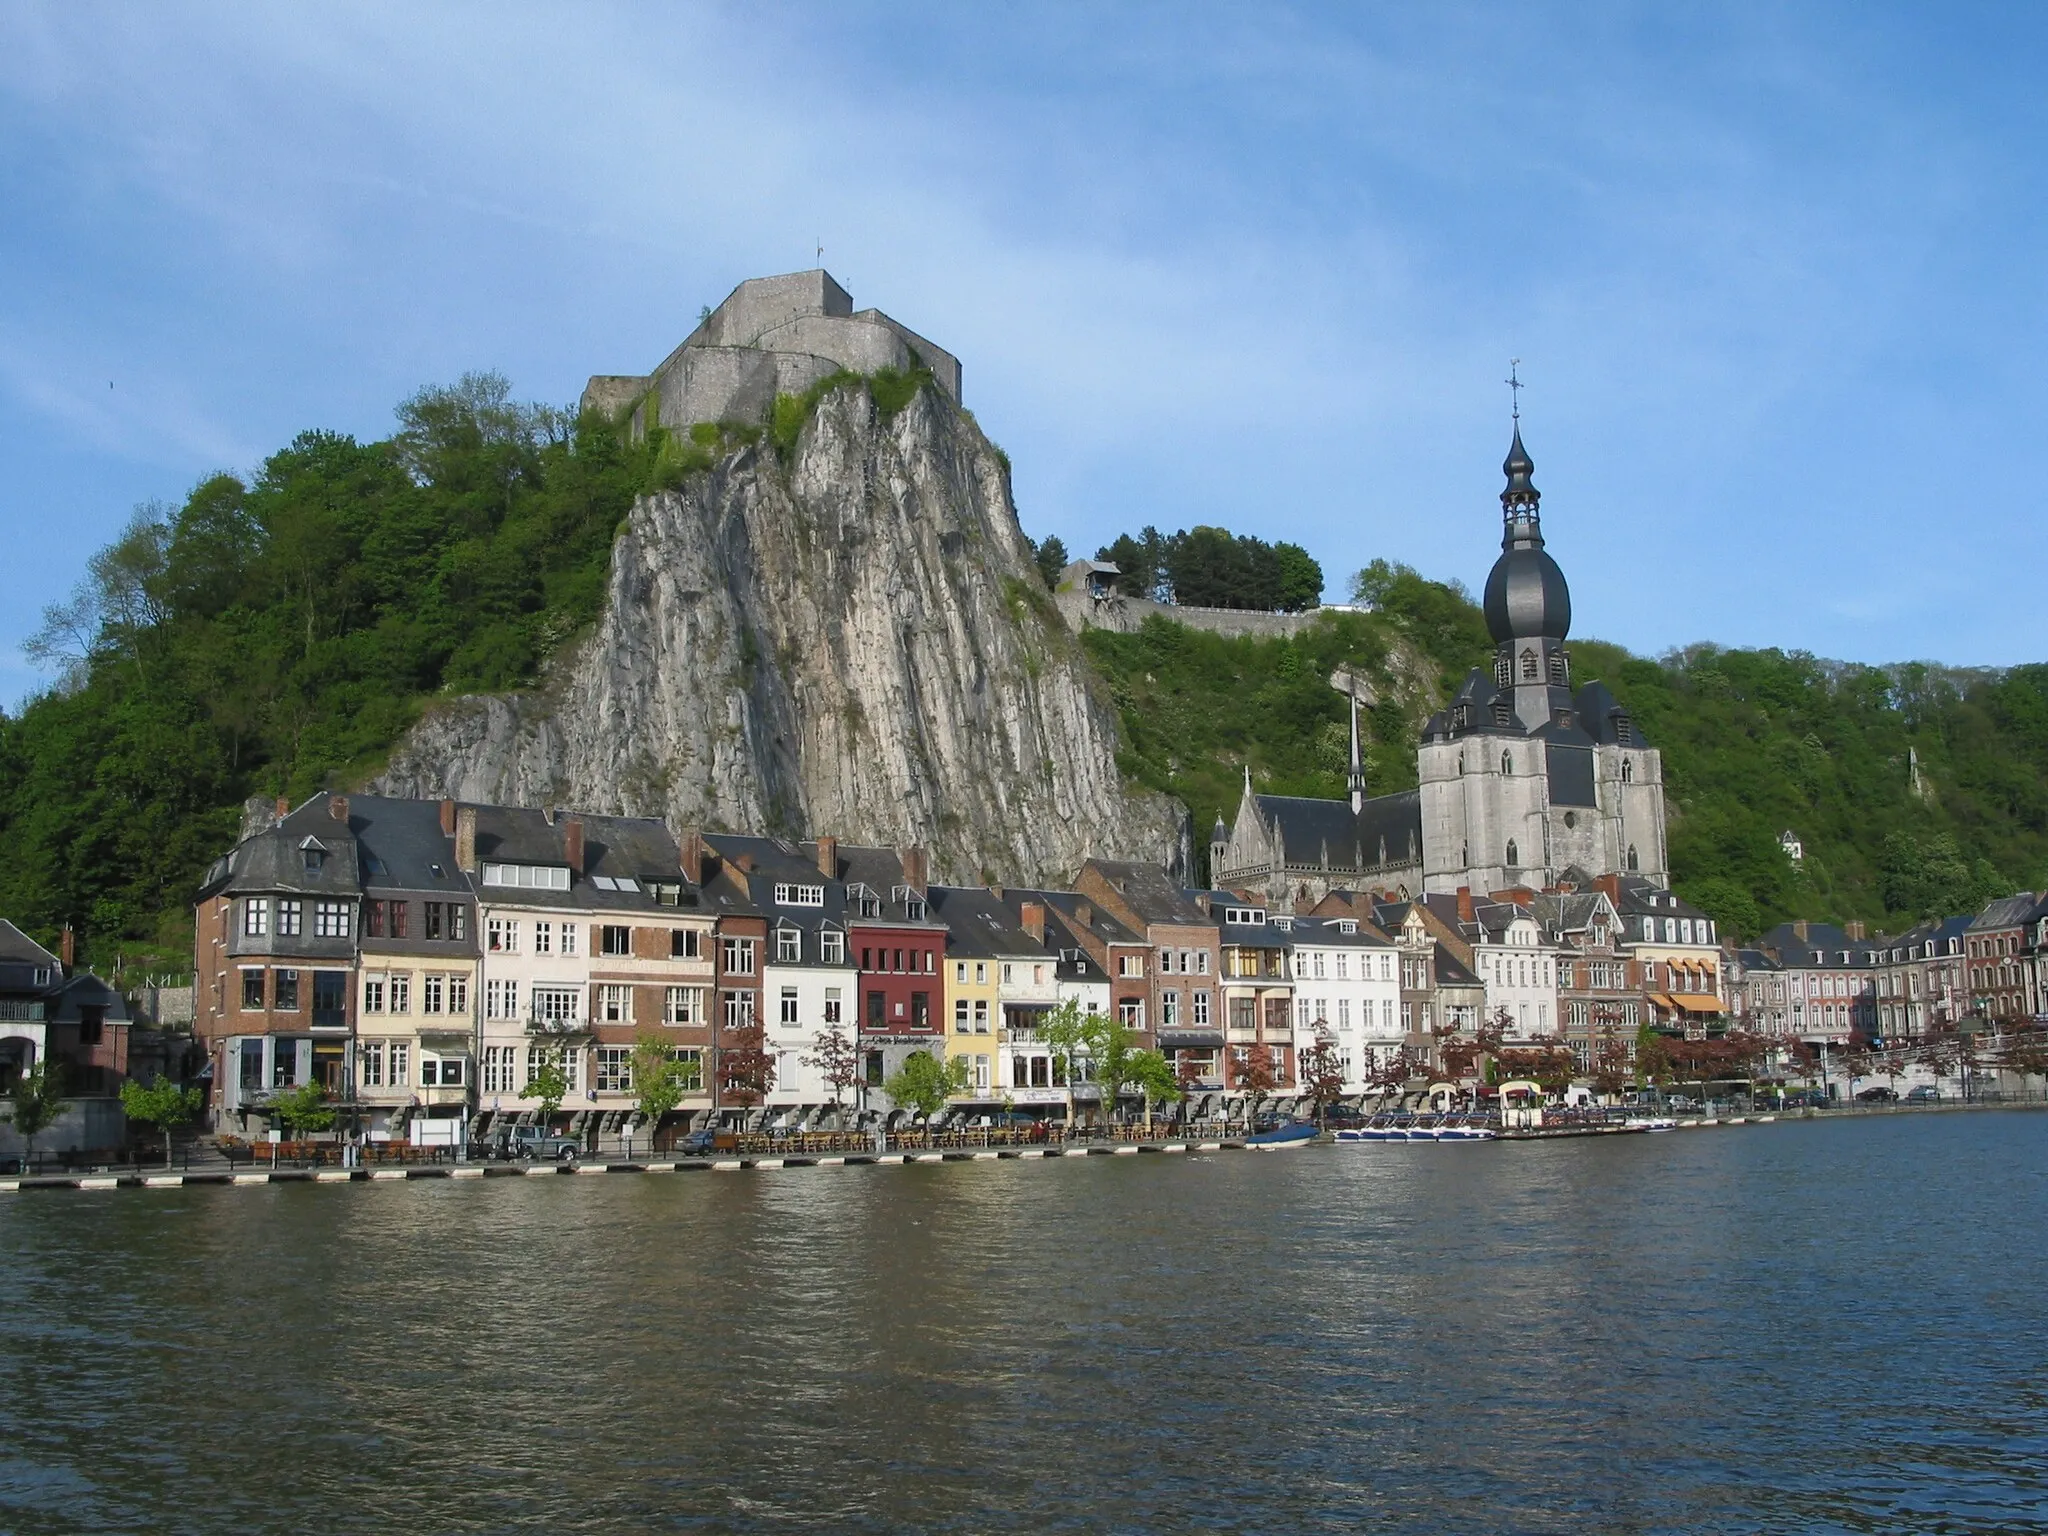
x,y
1521,778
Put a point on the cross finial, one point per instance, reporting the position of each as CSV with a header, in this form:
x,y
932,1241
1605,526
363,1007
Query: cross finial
x,y
821,250
1514,383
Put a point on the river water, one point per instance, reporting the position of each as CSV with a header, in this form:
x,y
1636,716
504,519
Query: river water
x,y
1838,1326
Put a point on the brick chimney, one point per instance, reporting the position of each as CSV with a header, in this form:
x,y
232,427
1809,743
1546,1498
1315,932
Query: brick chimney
x,y
465,838
67,948
284,807
1854,929
447,818
572,842
916,868
1202,901
1034,920
690,854
1465,912
1609,886
828,857
1799,929
337,807
1084,913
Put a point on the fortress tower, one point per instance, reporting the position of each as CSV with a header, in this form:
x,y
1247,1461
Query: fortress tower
x,y
1521,779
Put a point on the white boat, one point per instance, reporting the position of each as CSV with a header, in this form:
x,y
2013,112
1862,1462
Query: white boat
x,y
1651,1123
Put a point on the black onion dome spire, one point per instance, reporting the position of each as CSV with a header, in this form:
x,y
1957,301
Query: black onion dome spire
x,y
1526,596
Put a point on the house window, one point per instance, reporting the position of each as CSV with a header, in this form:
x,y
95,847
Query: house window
x,y
1201,1004
501,999
832,947
458,994
616,940
981,1015
739,1010
1009,974
397,914
788,1014
373,994
558,1006
284,1063
739,957
458,922
981,973
615,1004
878,1016
544,938
497,1069
1130,965
832,1005
789,945
1169,1009
683,1005
288,915
501,935
401,992
960,1016
684,944
614,1069
1131,1013
252,991
370,1063
256,917
441,1071
288,991
799,895
920,1010
432,993
690,1069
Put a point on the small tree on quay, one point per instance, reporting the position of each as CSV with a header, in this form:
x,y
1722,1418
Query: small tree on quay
x,y
834,1058
38,1099
1322,1077
162,1104
924,1083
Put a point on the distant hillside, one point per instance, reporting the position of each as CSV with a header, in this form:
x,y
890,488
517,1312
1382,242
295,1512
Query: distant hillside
x,y
1754,742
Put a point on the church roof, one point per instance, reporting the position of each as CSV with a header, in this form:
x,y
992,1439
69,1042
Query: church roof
x,y
1307,828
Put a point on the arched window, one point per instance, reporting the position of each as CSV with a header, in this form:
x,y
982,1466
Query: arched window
x,y
1464,854
1632,856
1507,762
1528,665
1628,770
1514,854
1461,762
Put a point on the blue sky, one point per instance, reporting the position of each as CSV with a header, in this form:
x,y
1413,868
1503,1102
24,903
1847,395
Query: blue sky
x,y
1775,273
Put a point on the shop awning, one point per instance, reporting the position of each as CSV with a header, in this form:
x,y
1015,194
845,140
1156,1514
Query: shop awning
x,y
1660,1000
1698,1002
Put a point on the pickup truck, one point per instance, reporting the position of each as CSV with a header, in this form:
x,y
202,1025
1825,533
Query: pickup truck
x,y
529,1143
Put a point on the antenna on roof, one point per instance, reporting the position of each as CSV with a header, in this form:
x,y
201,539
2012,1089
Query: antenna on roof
x,y
1514,384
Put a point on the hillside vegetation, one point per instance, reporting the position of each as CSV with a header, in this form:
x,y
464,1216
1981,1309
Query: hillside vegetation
x,y
1754,743
277,634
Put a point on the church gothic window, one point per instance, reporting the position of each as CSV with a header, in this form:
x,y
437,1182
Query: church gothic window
x,y
1514,854
1628,771
1461,762
1507,762
1632,856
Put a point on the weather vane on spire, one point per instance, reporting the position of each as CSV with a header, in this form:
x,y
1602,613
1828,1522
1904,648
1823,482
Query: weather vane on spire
x,y
1514,383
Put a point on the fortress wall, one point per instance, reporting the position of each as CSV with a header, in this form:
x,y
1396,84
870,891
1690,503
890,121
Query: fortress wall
x,y
1127,615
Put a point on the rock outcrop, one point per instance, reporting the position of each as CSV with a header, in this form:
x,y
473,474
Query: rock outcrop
x,y
855,642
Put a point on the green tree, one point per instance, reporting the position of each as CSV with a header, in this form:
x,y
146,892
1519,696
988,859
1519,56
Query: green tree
x,y
38,1100
303,1109
1300,584
1052,559
1155,1078
548,1084
924,1083
162,1104
1092,1047
657,1079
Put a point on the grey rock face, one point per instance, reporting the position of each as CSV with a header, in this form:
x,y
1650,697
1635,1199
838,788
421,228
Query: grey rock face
x,y
856,644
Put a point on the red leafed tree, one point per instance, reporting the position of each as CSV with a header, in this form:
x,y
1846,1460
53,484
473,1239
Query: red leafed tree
x,y
1256,1077
1610,1063
746,1068
1322,1076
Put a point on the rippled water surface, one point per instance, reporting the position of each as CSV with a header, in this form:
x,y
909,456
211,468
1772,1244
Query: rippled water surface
x,y
1798,1326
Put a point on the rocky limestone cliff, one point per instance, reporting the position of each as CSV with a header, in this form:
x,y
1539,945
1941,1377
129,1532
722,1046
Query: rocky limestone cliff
x,y
855,642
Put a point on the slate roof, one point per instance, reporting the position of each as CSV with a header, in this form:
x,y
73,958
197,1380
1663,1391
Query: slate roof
x,y
275,858
881,871
1150,894
981,924
775,861
400,846
1312,830
2006,912
639,849
1827,940
1324,931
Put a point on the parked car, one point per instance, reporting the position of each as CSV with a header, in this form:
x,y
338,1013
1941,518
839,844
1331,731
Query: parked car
x,y
705,1142
1878,1095
1810,1099
530,1143
1926,1093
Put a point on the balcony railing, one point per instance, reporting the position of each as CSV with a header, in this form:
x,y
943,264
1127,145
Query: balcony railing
x,y
16,1011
